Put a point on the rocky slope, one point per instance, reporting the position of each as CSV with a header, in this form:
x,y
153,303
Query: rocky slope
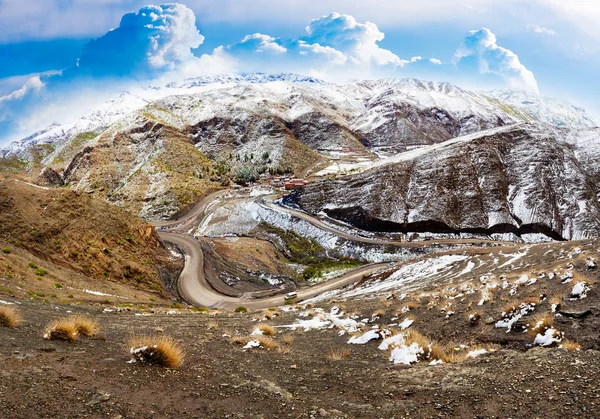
x,y
157,149
520,179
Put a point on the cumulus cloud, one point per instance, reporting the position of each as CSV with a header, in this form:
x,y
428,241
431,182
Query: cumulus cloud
x,y
357,41
435,61
482,46
147,43
333,46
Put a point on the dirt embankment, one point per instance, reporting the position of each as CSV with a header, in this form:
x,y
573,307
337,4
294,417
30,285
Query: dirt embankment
x,y
81,234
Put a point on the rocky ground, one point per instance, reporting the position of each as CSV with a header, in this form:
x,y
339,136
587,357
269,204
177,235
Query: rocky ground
x,y
91,377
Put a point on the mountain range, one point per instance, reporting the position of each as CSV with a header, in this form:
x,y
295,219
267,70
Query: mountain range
x,y
518,161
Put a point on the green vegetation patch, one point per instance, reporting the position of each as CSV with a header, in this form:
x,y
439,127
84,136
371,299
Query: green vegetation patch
x,y
319,269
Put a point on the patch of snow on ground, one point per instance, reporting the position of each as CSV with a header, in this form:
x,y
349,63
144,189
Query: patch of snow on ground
x,y
406,324
365,338
551,336
476,353
406,354
580,290
252,344
514,316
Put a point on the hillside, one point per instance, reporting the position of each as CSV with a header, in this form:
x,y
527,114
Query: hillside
x,y
58,236
519,179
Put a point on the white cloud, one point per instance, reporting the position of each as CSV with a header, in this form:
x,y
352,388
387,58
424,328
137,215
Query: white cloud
x,y
32,85
539,29
260,43
481,45
357,41
435,61
147,43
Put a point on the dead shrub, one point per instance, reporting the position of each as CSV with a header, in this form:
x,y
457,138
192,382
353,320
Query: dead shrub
x,y
570,345
267,342
338,354
288,339
158,350
283,350
63,329
378,314
267,330
85,326
540,323
9,316
240,340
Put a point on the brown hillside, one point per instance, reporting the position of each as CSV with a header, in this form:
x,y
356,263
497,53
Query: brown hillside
x,y
82,234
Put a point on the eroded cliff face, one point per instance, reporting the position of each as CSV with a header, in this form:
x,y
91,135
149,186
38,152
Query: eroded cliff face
x,y
515,179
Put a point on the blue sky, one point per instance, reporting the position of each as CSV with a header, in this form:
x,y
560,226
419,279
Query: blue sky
x,y
61,57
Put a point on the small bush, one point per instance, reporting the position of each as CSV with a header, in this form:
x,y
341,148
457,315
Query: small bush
x,y
41,272
85,326
241,309
267,330
338,354
32,265
570,345
288,339
6,250
157,350
58,285
63,329
378,314
240,340
267,342
9,316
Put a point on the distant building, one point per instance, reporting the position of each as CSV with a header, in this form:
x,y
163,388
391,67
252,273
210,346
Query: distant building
x,y
295,183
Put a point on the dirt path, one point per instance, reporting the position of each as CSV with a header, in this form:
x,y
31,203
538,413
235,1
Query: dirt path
x,y
195,288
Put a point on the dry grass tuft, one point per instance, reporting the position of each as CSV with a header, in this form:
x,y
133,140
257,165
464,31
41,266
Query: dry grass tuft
x,y
267,342
85,326
9,316
63,329
240,340
157,350
338,354
283,349
267,330
570,345
540,323
212,325
288,339
534,299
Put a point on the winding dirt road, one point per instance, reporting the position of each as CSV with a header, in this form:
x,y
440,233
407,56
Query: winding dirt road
x,y
195,289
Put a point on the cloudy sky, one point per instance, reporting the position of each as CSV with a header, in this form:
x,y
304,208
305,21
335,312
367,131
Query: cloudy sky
x,y
61,57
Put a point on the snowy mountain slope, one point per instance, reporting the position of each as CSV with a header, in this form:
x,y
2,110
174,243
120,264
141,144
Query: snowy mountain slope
x,y
552,111
401,112
517,179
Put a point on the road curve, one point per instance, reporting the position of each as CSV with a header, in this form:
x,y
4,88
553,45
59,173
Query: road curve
x,y
194,288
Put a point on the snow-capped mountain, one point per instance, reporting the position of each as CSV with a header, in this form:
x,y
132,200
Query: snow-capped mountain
x,y
552,111
380,112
